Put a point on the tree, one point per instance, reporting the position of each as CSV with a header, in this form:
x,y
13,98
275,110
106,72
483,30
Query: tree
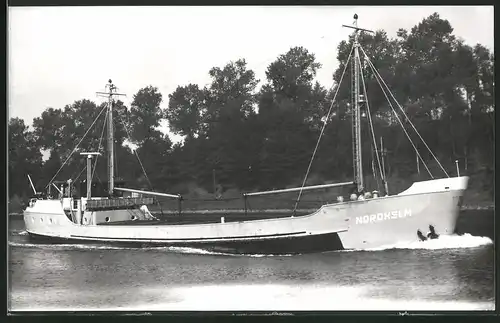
x,y
292,73
230,103
186,109
48,129
290,112
24,158
145,114
265,139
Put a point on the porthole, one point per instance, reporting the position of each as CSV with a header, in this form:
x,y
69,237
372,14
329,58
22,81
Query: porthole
x,y
106,219
41,220
50,220
133,217
33,219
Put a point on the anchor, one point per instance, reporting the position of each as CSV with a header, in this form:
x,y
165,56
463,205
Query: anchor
x,y
431,235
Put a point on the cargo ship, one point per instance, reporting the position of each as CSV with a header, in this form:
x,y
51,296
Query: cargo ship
x,y
363,219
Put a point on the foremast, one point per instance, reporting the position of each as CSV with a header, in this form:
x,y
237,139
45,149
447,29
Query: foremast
x,y
356,111
357,117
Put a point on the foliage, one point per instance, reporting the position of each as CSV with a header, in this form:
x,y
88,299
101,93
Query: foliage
x,y
262,138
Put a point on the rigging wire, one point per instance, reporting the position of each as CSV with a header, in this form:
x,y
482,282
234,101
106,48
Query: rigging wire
x,y
77,177
74,149
100,145
114,151
370,121
85,167
140,163
135,152
397,117
404,113
323,129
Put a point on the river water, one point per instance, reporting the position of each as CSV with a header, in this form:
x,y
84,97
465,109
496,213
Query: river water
x,y
450,273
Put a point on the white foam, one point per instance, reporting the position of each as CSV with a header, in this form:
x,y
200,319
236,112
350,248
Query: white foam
x,y
172,249
61,246
19,232
443,242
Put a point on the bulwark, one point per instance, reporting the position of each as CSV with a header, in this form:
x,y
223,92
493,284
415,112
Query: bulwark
x,y
377,217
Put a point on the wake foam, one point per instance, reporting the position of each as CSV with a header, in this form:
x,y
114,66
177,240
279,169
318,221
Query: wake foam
x,y
20,233
171,249
63,246
443,242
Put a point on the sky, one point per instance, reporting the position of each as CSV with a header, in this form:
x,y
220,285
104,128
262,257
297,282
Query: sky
x,y
57,55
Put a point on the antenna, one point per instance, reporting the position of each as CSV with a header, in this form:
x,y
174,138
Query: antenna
x,y
356,28
110,95
112,90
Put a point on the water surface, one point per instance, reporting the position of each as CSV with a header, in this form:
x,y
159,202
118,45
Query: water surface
x,y
451,273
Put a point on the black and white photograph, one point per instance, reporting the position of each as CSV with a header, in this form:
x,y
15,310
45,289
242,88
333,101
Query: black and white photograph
x,y
250,158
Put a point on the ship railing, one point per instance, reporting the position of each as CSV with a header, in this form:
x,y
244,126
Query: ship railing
x,y
295,189
178,196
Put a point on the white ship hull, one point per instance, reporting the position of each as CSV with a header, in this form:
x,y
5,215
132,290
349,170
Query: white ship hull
x,y
358,224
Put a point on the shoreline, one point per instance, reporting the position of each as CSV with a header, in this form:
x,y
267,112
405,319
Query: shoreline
x,y
271,211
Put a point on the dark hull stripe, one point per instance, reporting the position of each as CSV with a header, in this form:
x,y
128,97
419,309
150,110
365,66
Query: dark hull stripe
x,y
268,236
280,245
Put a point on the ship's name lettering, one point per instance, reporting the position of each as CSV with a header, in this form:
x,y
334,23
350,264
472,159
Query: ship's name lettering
x,y
383,216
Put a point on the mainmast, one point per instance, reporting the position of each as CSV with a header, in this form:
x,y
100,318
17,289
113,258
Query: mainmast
x,y
111,172
358,158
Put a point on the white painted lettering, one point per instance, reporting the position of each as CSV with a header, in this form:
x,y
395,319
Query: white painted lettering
x,y
383,216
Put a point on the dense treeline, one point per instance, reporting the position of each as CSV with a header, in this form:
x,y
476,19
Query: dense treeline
x,y
249,137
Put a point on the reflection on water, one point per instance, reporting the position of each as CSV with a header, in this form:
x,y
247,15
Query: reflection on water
x,y
456,276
